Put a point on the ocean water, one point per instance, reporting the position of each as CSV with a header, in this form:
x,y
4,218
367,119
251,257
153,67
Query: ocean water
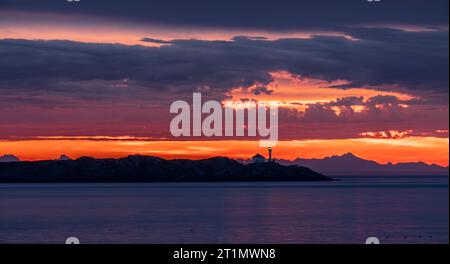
x,y
394,209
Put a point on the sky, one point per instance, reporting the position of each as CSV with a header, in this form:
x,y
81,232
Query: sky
x,y
97,78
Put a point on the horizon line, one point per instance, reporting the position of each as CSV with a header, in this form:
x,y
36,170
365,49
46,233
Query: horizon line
x,y
213,157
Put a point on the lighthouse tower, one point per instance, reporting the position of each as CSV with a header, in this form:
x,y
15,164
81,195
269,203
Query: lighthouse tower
x,y
270,155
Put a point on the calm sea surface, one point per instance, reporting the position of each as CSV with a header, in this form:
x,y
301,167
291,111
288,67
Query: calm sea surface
x,y
395,209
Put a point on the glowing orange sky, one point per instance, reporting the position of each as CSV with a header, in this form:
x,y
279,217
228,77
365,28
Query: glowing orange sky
x,y
296,92
288,91
426,149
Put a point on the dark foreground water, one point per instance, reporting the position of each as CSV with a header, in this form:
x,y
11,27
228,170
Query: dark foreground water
x,y
395,209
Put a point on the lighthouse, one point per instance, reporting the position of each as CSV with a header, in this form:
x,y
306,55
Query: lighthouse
x,y
270,155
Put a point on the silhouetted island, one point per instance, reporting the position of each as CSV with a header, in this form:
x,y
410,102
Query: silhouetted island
x,y
152,169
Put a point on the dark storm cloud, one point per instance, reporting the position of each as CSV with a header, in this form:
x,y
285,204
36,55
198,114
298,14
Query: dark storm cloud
x,y
157,41
261,90
374,101
410,60
256,14
383,99
347,101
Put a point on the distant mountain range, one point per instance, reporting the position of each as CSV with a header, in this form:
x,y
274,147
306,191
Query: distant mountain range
x,y
9,158
152,169
351,165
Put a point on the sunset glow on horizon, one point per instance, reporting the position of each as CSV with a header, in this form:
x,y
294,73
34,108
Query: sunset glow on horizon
x,y
427,149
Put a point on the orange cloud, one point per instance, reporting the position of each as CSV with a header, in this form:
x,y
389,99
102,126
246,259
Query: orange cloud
x,y
394,134
292,91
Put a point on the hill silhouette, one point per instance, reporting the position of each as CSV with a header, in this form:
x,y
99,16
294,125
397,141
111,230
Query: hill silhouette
x,y
152,169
